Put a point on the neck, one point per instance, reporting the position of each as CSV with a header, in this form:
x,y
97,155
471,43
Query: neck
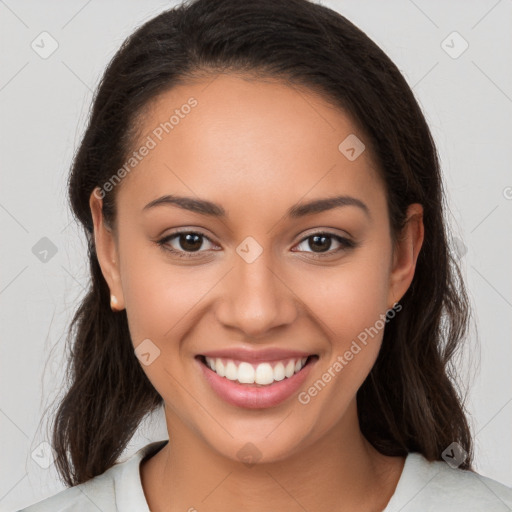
x,y
341,472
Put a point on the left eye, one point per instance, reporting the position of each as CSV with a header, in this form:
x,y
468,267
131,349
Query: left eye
x,y
323,241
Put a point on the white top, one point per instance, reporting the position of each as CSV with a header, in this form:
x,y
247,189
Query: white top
x,y
423,486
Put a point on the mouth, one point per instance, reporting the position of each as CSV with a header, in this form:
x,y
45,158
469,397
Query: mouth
x,y
257,375
256,385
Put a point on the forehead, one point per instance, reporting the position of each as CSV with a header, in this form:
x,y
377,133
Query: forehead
x,y
229,137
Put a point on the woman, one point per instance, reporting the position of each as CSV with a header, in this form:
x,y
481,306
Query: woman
x,y
269,261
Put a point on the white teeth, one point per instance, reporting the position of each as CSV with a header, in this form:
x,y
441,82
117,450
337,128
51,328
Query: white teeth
x,y
262,373
231,371
290,369
246,373
217,367
279,371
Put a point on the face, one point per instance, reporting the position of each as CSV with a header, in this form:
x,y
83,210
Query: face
x,y
254,268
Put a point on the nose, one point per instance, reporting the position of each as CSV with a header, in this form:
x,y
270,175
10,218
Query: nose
x,y
256,298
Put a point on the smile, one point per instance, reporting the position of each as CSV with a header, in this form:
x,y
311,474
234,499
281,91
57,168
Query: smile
x,y
264,373
255,385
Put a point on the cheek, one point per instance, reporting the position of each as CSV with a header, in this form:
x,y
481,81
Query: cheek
x,y
350,297
349,309
158,295
349,302
158,303
162,301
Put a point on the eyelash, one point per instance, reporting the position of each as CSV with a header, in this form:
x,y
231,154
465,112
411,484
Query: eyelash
x,y
345,244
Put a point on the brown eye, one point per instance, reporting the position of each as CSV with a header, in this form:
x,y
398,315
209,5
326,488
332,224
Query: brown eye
x,y
320,243
190,241
184,243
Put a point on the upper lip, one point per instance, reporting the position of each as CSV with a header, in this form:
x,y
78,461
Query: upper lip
x,y
268,354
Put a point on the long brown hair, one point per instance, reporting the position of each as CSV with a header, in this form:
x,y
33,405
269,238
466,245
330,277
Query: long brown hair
x,y
409,401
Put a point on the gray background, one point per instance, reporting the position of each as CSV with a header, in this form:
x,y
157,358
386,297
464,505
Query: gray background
x,y
467,101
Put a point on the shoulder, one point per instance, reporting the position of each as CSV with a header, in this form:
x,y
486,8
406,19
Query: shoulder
x,y
426,485
105,492
95,494
92,495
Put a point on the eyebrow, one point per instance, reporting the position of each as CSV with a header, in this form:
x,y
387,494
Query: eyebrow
x,y
205,207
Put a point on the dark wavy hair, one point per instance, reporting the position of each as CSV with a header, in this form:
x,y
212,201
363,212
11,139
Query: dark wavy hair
x,y
410,400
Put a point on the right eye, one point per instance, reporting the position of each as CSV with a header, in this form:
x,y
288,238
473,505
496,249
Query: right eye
x,y
190,242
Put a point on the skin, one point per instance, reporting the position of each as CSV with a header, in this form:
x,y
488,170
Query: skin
x,y
257,148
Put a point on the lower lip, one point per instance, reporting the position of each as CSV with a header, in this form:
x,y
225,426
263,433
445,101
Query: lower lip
x,y
252,396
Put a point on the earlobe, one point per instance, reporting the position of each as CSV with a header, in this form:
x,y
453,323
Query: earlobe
x,y
106,252
114,303
406,253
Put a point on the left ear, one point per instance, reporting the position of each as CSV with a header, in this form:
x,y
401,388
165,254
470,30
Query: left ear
x,y
406,253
